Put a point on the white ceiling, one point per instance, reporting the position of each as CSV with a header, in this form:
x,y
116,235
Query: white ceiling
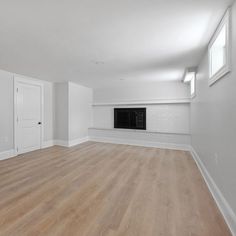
x,y
105,42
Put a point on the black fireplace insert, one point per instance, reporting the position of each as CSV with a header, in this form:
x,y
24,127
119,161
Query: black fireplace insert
x,y
130,118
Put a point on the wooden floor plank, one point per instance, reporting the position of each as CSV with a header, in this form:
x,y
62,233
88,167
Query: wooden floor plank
x,y
97,189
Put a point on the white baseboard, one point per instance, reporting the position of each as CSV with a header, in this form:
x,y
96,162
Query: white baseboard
x,y
62,143
47,144
77,141
141,143
11,153
70,143
220,200
7,154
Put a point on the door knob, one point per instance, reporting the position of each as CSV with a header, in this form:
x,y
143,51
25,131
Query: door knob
x,y
39,123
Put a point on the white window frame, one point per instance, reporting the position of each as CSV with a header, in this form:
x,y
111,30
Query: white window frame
x,y
227,67
193,80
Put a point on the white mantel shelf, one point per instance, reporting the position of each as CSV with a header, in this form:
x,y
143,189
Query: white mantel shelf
x,y
150,102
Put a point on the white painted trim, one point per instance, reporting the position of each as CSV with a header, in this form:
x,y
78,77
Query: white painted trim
x,y
141,143
146,102
27,80
220,200
77,141
47,144
66,143
62,143
7,154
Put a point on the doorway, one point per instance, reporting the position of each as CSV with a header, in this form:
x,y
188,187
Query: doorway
x,y
28,114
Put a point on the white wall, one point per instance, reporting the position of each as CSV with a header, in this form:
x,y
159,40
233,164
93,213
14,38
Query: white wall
x,y
48,111
167,118
73,112
213,125
6,111
7,108
149,91
61,126
80,111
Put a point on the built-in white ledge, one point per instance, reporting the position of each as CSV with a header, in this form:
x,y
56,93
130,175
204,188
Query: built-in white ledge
x,y
145,138
148,102
137,131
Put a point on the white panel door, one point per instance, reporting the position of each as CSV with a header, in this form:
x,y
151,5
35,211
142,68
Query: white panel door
x,y
28,117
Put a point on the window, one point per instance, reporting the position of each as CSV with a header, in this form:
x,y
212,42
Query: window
x,y
190,78
219,49
193,87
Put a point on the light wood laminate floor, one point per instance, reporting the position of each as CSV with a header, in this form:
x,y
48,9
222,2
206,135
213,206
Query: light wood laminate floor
x,y
97,189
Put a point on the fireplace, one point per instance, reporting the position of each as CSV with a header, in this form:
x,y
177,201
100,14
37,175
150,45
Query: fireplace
x,y
130,118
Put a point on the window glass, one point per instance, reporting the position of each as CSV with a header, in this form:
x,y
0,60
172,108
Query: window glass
x,y
218,52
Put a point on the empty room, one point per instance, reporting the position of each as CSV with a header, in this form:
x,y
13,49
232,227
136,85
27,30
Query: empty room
x,y
117,118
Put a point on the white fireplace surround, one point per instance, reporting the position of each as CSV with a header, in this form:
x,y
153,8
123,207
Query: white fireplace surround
x,y
167,115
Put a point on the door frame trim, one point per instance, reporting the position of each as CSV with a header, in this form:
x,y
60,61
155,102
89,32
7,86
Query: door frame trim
x,y
31,81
